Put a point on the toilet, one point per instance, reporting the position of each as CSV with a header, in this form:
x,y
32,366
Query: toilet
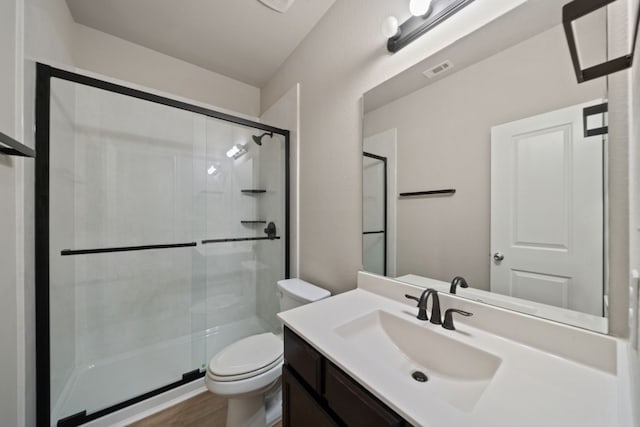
x,y
248,371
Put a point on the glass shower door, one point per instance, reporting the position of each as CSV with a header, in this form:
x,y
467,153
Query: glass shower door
x,y
374,213
245,244
124,269
166,233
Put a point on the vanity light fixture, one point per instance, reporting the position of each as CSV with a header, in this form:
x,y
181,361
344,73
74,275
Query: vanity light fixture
x,y
577,9
426,15
237,151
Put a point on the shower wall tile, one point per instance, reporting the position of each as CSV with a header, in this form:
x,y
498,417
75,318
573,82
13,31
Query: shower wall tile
x,y
134,187
141,176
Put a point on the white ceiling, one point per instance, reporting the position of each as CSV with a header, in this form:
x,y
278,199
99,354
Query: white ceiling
x,y
242,39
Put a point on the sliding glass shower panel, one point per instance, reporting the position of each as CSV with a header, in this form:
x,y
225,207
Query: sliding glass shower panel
x,y
124,271
374,214
245,232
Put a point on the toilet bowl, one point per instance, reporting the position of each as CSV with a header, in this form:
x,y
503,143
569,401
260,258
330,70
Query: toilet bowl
x,y
248,371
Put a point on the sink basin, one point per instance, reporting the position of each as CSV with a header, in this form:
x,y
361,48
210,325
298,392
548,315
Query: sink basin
x,y
457,372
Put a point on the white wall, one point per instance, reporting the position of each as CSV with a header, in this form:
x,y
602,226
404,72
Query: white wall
x,y
9,352
444,140
48,31
114,57
341,58
618,26
54,37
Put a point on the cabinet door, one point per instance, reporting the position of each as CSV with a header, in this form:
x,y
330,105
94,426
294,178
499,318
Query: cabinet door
x,y
303,359
300,408
354,405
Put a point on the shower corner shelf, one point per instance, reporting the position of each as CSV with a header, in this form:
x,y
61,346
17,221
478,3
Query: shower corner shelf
x,y
252,222
11,147
253,191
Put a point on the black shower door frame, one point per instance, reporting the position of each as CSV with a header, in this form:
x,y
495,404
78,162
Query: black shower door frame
x,y
385,213
44,74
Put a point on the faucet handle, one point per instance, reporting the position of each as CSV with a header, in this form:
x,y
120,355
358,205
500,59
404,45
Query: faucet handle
x,y
416,299
448,317
422,305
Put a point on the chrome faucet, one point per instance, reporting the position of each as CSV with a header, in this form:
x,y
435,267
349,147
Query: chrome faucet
x,y
457,281
436,317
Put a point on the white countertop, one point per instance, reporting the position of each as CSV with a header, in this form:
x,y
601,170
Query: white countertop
x,y
530,388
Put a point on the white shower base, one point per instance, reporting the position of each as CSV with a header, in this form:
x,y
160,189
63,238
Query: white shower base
x,y
110,381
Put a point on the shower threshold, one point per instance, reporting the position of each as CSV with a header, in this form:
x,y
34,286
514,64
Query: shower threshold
x,y
107,382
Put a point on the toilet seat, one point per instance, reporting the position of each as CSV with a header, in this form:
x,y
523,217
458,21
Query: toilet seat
x,y
247,358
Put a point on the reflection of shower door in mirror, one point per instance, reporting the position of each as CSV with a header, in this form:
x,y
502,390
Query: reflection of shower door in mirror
x,y
547,211
374,217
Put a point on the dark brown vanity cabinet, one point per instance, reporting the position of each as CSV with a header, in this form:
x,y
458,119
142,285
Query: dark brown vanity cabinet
x,y
316,393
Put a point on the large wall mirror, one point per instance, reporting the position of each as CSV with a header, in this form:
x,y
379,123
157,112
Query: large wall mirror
x,y
476,164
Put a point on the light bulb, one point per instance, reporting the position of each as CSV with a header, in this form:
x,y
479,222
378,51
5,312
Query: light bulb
x,y
212,169
419,7
390,26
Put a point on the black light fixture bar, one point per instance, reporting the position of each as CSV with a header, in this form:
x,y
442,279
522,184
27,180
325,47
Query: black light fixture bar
x,y
416,26
577,9
450,191
14,148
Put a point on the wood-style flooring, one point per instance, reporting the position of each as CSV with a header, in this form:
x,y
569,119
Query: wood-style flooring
x,y
203,410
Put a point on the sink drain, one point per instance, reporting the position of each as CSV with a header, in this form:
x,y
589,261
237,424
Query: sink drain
x,y
421,377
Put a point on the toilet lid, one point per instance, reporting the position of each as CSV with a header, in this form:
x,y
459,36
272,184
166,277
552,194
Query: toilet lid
x,y
247,357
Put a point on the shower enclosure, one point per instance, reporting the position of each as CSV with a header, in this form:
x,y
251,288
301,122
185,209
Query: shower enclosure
x,y
161,231
374,218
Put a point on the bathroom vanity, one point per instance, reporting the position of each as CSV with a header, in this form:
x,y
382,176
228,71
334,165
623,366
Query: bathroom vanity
x,y
316,392
362,358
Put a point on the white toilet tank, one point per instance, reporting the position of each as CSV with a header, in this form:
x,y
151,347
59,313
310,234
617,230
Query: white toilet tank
x,y
293,293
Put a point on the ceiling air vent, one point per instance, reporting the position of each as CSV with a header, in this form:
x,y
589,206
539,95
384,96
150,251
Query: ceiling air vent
x,y
438,69
278,5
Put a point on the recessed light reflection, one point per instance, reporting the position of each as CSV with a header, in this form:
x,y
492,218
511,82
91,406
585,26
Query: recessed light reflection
x,y
237,151
212,169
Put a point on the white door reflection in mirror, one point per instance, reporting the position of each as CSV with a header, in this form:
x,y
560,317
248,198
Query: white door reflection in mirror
x,y
547,209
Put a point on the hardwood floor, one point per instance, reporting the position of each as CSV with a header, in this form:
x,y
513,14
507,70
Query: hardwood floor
x,y
203,410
